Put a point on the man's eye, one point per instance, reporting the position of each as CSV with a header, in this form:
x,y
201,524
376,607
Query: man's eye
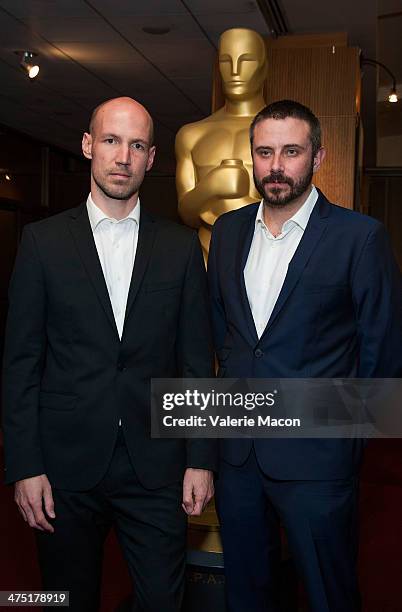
x,y
265,153
291,152
109,140
138,146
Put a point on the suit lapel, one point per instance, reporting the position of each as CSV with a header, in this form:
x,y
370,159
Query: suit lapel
x,y
85,243
146,237
246,234
313,233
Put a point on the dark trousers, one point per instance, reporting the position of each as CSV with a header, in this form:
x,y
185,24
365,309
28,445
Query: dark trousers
x,y
151,529
319,518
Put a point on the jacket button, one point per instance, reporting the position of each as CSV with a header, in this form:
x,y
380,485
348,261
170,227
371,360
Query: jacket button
x,y
121,366
258,353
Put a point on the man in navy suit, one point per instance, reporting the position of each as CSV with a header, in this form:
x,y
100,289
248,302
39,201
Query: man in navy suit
x,y
300,288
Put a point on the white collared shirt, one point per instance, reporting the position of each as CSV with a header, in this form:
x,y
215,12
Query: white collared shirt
x,y
269,258
116,243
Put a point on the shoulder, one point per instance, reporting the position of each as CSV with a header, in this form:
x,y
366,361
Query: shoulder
x,y
353,220
189,134
55,222
238,216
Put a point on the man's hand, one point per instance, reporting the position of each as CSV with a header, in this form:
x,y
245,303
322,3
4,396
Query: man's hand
x,y
30,495
198,490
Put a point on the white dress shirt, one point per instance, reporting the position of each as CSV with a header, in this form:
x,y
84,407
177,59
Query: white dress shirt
x,y
116,243
269,258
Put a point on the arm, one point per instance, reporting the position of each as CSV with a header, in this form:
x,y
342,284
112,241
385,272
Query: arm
x,y
218,314
195,359
197,194
377,294
24,351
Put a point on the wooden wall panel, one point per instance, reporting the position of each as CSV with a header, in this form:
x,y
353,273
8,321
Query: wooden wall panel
x,y
303,41
324,81
336,176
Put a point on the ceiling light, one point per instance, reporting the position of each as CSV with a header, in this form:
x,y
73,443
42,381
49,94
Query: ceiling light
x,y
155,30
29,64
393,97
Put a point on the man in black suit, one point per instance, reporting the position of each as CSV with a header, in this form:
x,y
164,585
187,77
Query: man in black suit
x,y
103,298
300,288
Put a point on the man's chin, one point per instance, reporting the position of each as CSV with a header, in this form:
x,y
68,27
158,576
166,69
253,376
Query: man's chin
x,y
277,197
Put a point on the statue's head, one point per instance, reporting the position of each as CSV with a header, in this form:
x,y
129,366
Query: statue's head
x,y
242,63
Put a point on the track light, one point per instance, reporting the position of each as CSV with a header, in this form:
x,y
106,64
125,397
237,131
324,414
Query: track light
x,y
29,64
393,97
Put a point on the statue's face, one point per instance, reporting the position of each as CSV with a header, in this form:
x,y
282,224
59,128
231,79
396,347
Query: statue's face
x,y
242,63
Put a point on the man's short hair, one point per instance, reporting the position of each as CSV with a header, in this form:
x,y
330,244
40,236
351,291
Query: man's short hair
x,y
282,109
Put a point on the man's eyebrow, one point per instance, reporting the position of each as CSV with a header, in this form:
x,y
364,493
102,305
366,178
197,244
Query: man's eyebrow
x,y
293,146
286,146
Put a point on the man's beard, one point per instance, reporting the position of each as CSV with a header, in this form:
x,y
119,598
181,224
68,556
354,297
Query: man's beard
x,y
116,191
276,198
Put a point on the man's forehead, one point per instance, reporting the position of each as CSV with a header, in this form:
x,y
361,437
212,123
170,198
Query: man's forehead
x,y
290,127
113,117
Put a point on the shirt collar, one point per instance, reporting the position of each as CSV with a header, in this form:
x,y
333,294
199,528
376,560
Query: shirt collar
x,y
301,217
96,215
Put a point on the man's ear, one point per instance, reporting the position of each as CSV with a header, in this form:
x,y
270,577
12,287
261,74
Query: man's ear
x,y
87,145
151,157
318,159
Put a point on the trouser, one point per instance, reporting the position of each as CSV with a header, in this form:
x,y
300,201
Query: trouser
x,y
319,518
151,529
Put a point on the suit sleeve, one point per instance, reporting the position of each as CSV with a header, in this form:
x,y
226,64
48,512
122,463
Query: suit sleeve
x,y
25,344
194,346
377,294
218,315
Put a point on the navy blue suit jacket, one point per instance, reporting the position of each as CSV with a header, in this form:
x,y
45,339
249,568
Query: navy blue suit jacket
x,y
339,314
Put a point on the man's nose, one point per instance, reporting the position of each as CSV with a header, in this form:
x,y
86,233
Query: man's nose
x,y
276,163
123,155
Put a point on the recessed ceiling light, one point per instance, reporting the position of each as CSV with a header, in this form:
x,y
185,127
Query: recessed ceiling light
x,y
156,31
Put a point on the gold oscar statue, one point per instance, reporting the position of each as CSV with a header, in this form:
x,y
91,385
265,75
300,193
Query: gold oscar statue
x,y
214,168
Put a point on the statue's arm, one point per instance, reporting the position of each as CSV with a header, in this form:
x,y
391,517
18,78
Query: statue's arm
x,y
222,182
188,199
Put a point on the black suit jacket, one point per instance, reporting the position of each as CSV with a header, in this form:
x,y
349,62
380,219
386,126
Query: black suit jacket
x,y
68,377
338,315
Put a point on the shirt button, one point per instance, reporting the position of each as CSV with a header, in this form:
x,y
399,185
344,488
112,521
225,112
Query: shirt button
x,y
258,353
121,366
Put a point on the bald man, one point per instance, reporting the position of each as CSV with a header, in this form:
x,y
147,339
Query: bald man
x,y
105,297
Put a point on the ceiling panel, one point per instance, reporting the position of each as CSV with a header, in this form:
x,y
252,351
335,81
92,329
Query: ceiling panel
x,y
174,62
106,51
216,24
36,9
202,7
74,29
182,28
127,8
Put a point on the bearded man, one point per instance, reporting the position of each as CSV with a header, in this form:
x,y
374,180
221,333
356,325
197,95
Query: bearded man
x,y
300,288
